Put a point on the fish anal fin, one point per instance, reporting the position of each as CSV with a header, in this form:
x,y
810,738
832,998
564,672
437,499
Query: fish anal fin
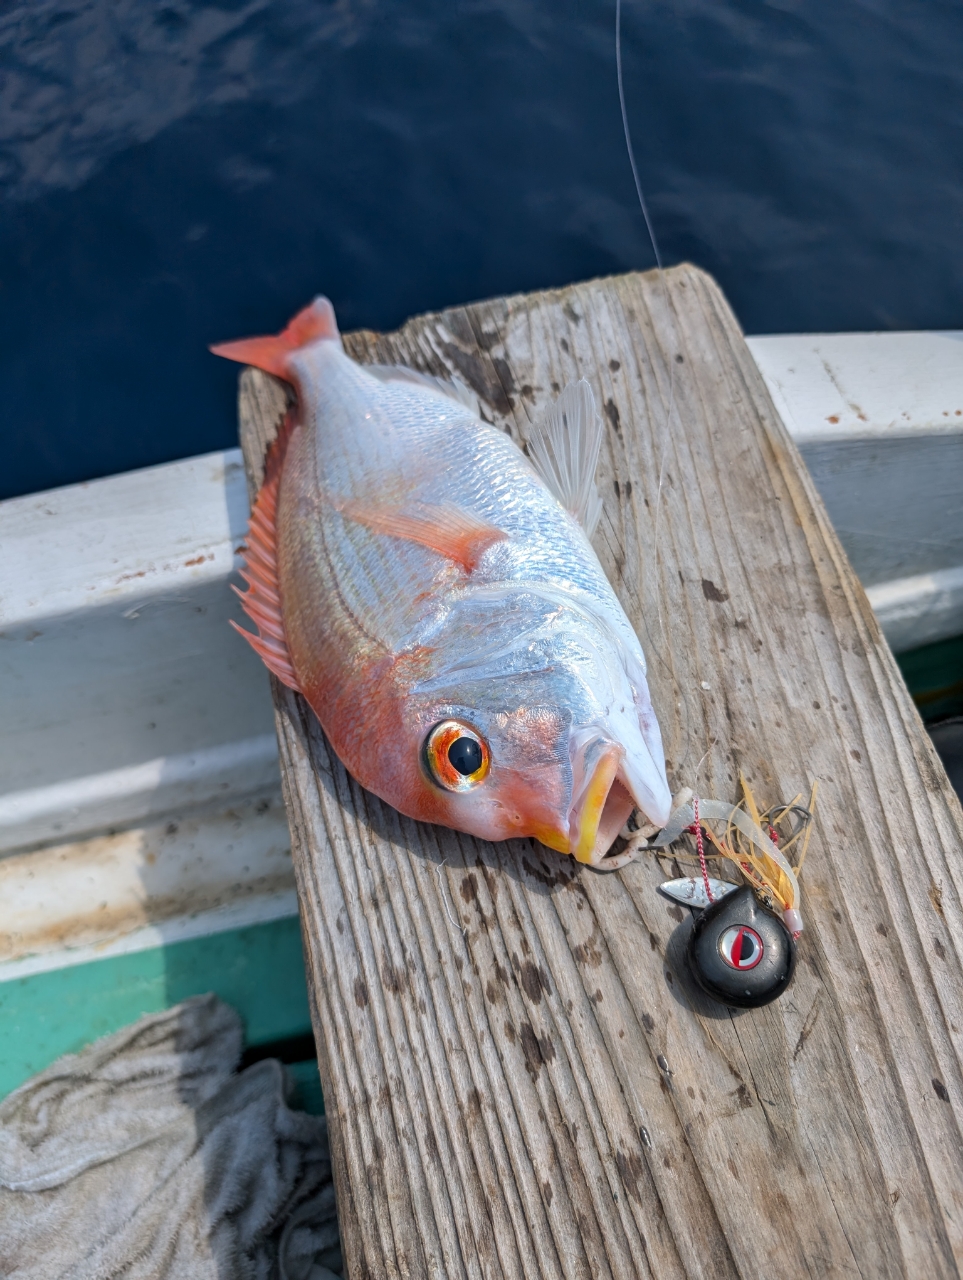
x,y
271,351
262,600
444,527
564,450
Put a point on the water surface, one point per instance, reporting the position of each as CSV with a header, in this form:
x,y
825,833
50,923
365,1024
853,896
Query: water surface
x,y
176,173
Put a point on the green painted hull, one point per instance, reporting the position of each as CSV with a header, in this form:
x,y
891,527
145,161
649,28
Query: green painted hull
x,y
259,970
934,674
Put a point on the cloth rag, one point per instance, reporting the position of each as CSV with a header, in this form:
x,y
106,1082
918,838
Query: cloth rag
x,y
146,1156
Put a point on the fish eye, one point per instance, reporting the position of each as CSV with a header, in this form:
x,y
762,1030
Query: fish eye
x,y
457,758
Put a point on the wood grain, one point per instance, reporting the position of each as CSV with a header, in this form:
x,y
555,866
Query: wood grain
x,y
520,1079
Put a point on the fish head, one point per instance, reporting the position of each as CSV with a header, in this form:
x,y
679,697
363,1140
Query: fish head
x,y
559,742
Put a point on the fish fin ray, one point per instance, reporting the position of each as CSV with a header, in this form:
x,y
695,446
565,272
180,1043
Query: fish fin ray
x,y
443,527
275,662
262,600
452,389
564,450
270,352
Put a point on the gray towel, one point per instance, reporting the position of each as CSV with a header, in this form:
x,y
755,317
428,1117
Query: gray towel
x,y
145,1156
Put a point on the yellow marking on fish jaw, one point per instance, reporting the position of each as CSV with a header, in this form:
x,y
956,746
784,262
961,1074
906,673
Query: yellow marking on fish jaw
x,y
595,797
552,839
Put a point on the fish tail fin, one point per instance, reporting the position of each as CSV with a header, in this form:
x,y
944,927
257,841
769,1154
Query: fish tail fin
x,y
262,600
271,352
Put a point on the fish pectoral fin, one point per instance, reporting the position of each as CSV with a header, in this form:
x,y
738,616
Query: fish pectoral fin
x,y
262,600
564,450
444,527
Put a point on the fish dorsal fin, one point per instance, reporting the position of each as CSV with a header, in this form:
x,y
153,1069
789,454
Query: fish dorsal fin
x,y
450,530
453,389
564,449
262,601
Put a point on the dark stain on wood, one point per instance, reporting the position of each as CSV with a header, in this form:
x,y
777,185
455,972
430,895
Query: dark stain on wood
x,y
936,897
588,952
537,1050
469,887
391,978
631,1170
534,981
540,874
613,415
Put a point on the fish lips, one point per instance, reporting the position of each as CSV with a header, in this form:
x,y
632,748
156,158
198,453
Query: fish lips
x,y
606,790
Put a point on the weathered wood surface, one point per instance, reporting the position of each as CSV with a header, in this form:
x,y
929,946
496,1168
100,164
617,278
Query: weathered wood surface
x,y
520,1080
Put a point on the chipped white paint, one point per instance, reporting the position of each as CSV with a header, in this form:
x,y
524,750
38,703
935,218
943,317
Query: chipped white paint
x,y
123,692
121,540
857,386
128,702
93,892
879,420
191,778
921,609
239,914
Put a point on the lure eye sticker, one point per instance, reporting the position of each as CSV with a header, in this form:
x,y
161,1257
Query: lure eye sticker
x,y
741,947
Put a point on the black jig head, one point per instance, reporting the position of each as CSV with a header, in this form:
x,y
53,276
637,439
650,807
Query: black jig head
x,y
739,953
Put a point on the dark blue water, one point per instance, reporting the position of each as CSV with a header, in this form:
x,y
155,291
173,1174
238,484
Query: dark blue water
x,y
176,173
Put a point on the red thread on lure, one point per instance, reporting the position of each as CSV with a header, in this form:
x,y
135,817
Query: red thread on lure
x,y
700,848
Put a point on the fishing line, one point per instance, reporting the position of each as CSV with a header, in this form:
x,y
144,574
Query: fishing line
x,y
664,442
742,948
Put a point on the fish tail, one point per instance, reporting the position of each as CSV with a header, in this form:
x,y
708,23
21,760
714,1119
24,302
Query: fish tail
x,y
262,600
271,352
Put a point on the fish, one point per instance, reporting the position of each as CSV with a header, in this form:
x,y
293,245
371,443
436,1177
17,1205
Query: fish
x,y
434,595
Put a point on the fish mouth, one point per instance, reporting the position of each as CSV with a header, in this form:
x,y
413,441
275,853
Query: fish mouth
x,y
603,804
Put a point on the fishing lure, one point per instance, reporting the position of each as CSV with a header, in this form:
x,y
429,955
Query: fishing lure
x,y
742,948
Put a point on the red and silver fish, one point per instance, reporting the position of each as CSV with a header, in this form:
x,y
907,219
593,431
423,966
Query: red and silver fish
x,y
434,595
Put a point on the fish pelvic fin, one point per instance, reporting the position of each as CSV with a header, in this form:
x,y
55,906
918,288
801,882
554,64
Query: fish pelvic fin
x,y
564,450
262,600
270,353
444,527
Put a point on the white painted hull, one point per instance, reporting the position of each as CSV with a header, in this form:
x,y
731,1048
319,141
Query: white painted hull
x,y
878,418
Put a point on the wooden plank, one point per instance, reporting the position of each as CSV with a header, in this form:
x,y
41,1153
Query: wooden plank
x,y
520,1079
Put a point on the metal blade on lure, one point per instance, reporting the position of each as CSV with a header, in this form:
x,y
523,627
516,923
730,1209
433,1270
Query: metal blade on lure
x,y
691,891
